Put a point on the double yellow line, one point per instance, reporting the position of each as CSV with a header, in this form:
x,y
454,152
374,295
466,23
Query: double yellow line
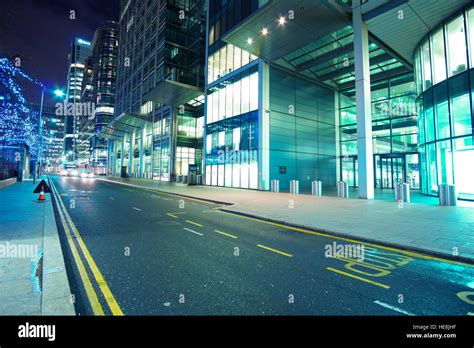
x,y
70,230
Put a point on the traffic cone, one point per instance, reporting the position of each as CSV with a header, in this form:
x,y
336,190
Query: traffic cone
x,y
41,196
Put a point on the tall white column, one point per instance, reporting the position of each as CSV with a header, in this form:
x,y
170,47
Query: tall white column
x,y
263,126
122,155
130,152
140,153
363,104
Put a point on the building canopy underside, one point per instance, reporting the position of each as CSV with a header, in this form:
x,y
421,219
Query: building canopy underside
x,y
123,124
319,44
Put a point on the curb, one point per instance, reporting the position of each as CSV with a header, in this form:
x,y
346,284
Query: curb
x,y
166,192
56,295
7,182
427,252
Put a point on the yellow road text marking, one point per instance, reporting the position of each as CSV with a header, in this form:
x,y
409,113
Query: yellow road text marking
x,y
358,278
302,230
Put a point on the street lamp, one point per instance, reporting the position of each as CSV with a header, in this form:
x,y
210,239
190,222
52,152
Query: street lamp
x,y
40,135
59,93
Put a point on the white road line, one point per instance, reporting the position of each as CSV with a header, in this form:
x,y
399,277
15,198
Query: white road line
x,y
192,231
137,208
396,309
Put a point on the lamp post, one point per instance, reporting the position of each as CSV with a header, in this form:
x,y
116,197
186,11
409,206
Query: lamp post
x,y
40,135
39,161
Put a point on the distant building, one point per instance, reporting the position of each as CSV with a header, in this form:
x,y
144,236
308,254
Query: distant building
x,y
98,89
85,126
53,135
80,51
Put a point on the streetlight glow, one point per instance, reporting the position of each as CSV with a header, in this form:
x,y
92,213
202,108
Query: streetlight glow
x,y
59,93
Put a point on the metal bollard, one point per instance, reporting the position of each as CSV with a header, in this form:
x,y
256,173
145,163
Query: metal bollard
x,y
294,187
452,195
185,179
447,195
398,192
179,178
402,192
192,179
317,188
405,192
342,189
275,185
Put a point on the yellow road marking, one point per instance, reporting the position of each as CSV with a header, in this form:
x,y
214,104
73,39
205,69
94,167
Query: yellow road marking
x,y
464,295
226,234
104,287
173,215
302,230
90,292
193,223
274,250
359,278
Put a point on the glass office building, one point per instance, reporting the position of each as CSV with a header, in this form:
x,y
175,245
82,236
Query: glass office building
x,y
444,63
157,128
262,122
80,52
281,99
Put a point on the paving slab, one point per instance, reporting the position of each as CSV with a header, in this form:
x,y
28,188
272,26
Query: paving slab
x,y
26,288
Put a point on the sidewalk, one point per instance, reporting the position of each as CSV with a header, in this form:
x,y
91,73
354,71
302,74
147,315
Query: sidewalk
x,y
33,278
440,231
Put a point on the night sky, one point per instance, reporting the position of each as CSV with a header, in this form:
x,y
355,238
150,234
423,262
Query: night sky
x,y
41,32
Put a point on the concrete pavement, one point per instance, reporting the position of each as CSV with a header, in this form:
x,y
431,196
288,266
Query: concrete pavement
x,y
33,279
440,231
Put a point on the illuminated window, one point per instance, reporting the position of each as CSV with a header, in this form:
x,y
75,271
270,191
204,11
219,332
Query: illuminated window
x,y
456,41
438,58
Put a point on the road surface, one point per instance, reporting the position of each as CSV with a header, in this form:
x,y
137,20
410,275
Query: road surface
x,y
134,251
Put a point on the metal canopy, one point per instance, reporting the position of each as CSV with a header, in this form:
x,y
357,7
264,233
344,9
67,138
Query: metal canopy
x,y
312,21
317,44
173,93
123,124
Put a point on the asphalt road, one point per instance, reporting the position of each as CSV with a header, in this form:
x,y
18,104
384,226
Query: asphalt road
x,y
164,255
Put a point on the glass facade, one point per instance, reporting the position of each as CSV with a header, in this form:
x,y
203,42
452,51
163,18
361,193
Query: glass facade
x,y
231,143
394,131
226,60
444,85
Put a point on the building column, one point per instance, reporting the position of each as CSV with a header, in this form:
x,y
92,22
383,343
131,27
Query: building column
x,y
363,104
122,159
130,152
140,153
263,126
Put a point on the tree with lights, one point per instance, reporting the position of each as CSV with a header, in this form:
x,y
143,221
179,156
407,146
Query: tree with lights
x,y
18,122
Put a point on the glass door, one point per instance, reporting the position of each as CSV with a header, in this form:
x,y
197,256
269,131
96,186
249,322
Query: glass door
x,y
349,170
389,170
